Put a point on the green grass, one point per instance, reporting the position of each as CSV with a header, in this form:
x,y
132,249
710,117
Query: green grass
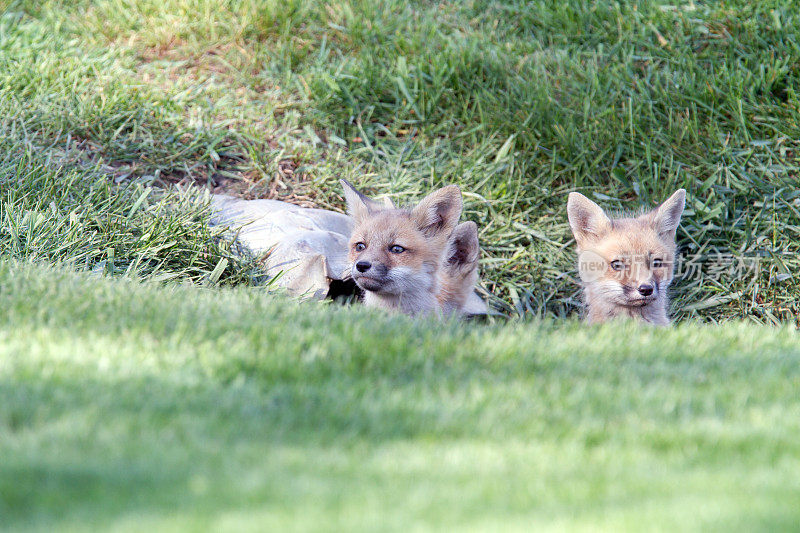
x,y
517,102
127,406
80,218
161,387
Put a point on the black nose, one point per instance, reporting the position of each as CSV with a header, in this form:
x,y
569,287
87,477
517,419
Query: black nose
x,y
363,266
645,289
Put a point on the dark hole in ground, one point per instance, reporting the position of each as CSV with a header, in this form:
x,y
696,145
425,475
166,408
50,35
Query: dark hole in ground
x,y
344,291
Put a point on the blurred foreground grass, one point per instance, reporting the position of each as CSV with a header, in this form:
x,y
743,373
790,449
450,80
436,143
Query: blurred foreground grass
x,y
130,406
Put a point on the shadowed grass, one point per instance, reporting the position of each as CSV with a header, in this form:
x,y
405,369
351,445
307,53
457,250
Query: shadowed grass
x,y
79,217
517,102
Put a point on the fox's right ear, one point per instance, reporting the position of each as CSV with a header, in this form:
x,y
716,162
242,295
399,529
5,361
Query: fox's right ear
x,y
359,206
586,219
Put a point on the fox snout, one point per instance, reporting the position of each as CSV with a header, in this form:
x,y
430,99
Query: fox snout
x,y
645,289
371,275
640,284
370,268
641,290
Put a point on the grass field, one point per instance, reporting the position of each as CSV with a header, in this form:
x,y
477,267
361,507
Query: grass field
x,y
161,387
517,102
127,407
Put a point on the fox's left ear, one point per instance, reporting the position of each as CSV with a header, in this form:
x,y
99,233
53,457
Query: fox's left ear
x,y
667,216
438,212
359,206
463,249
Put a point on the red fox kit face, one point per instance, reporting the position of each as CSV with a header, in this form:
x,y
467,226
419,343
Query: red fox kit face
x,y
626,262
398,251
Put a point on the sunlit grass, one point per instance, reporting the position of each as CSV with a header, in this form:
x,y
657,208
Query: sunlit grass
x,y
125,406
184,405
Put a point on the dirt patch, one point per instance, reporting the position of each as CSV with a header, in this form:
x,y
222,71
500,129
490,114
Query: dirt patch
x,y
288,184
177,61
229,173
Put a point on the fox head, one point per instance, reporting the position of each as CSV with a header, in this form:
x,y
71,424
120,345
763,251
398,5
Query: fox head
x,y
626,262
398,252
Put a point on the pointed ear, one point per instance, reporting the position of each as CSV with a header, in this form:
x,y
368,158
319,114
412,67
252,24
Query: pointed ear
x,y
387,203
586,219
438,212
359,206
463,248
667,216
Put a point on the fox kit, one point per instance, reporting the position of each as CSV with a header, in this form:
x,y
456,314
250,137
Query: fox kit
x,y
625,264
416,261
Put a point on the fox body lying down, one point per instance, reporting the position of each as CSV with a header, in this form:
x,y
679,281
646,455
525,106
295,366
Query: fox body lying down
x,y
626,264
417,260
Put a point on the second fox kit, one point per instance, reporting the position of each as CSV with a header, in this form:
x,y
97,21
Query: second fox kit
x,y
626,264
416,260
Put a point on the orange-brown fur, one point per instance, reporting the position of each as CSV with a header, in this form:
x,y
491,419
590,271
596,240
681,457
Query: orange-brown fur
x,y
635,246
409,281
415,290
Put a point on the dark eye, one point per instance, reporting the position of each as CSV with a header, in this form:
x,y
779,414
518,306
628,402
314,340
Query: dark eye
x,y
657,263
360,247
617,265
396,249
